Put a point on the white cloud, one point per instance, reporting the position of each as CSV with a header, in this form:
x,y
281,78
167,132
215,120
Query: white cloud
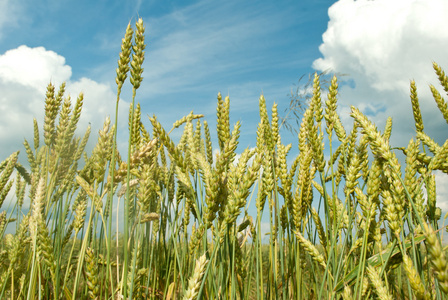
x,y
24,75
33,67
382,45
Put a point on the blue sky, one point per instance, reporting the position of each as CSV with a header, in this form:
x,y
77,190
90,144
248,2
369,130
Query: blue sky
x,y
196,49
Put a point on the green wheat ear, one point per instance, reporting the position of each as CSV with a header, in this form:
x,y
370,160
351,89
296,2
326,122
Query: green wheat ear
x,y
139,54
7,167
416,108
194,283
438,257
125,58
92,274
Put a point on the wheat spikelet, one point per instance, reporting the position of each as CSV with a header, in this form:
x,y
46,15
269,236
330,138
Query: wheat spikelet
x,y
134,128
379,145
320,228
241,184
76,114
60,140
353,174
311,250
211,185
414,279
438,259
416,108
374,180
303,181
3,221
268,175
240,262
441,103
388,129
392,213
410,179
7,168
195,280
139,55
363,155
284,222
79,207
39,230
51,110
145,134
20,189
347,293
208,143
276,138
4,192
92,274
198,140
102,151
31,158
20,242
381,288
429,142
316,100
304,129
222,121
266,131
125,57
163,137
190,117
330,109
443,79
316,141
439,161
146,188
430,185
185,183
190,148
282,173
339,128
5,186
363,202
82,145
349,150
36,134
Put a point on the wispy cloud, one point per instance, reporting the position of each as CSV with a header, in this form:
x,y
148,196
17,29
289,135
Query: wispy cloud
x,y
205,42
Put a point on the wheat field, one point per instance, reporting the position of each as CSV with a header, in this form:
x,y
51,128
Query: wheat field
x,y
358,225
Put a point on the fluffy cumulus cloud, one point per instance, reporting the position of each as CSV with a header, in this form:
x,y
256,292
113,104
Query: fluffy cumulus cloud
x,y
24,75
381,45
33,67
385,42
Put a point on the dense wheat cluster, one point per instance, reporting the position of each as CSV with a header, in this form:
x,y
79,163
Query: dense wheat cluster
x,y
358,225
